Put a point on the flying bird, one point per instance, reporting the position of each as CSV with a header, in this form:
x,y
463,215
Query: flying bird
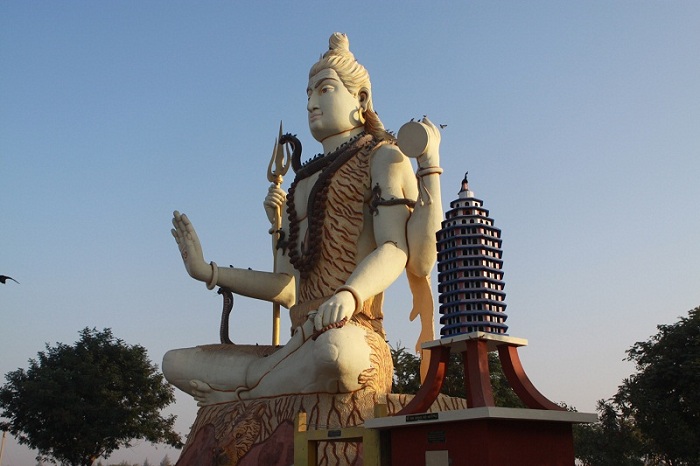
x,y
4,278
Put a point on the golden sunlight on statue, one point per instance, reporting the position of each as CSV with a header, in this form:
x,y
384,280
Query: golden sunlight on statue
x,y
354,219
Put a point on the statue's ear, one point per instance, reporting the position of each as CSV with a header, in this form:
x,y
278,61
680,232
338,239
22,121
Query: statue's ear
x,y
363,97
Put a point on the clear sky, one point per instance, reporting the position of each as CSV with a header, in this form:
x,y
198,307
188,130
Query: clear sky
x,y
579,124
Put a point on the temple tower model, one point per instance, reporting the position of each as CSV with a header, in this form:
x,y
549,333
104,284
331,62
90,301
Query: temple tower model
x,y
469,269
473,325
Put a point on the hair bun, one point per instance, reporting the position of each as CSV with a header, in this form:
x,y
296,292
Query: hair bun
x,y
339,42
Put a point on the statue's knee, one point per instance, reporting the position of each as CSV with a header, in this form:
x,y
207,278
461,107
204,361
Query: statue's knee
x,y
326,350
343,350
177,365
170,365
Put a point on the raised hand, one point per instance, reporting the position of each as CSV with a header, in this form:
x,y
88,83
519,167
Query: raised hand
x,y
431,156
190,248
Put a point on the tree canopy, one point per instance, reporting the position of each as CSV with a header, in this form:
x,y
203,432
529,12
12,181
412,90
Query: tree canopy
x,y
655,414
664,396
77,403
613,441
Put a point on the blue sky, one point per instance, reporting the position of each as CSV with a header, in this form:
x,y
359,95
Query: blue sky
x,y
579,123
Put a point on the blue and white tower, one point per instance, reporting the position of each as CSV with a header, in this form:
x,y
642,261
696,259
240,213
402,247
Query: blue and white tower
x,y
469,269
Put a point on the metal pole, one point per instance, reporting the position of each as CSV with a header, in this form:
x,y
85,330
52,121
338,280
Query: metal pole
x,y
2,445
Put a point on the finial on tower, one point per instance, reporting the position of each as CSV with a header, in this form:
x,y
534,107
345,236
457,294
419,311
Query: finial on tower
x,y
464,192
465,183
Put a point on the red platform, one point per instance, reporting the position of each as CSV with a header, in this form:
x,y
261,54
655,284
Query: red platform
x,y
482,435
474,348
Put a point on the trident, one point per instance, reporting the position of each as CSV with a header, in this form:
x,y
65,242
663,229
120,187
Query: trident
x,y
281,160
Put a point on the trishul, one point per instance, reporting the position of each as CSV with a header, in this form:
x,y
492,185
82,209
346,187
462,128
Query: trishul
x,y
277,168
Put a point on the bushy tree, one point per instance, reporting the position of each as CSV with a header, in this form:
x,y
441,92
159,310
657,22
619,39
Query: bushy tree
x,y
613,441
406,370
77,403
663,396
654,418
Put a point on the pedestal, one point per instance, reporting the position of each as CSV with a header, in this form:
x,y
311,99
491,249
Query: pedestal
x,y
482,434
474,348
485,436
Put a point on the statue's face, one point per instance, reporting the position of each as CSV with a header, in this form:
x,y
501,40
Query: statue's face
x,y
332,108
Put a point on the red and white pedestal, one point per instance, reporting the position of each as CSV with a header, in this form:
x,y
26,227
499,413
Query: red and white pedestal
x,y
482,434
485,436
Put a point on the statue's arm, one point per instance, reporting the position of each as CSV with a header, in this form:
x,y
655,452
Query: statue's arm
x,y
269,286
392,171
275,287
426,218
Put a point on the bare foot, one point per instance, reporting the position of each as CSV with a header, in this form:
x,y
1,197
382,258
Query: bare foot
x,y
205,395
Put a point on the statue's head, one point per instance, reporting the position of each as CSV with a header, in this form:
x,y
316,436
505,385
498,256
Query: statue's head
x,y
354,78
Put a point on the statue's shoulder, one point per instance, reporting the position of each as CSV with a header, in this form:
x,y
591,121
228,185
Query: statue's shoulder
x,y
391,168
388,152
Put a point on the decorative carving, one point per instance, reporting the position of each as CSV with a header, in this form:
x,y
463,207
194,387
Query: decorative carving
x,y
260,432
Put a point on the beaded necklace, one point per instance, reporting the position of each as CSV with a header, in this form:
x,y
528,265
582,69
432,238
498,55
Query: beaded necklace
x,y
305,258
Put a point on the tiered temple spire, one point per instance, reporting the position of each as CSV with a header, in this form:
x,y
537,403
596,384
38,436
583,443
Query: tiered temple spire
x,y
469,269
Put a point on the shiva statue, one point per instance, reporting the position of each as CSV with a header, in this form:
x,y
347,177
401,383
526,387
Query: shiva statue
x,y
355,218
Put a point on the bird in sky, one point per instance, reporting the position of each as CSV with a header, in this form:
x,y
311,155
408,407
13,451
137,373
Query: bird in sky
x,y
4,278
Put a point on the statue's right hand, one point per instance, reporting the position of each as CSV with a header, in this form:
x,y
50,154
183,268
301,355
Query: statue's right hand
x,y
274,203
190,248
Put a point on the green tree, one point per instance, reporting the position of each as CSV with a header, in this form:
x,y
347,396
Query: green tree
x,y
654,418
406,370
77,403
613,441
663,396
407,377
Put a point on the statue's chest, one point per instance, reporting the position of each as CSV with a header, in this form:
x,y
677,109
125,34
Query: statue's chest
x,y
326,210
301,196
300,215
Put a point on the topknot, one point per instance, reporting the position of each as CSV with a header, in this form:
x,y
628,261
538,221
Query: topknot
x,y
338,42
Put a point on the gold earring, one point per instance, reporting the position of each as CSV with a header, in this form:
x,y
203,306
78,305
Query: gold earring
x,y
360,116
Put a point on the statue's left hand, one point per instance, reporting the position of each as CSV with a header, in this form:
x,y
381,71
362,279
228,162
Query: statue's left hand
x,y
431,156
340,306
